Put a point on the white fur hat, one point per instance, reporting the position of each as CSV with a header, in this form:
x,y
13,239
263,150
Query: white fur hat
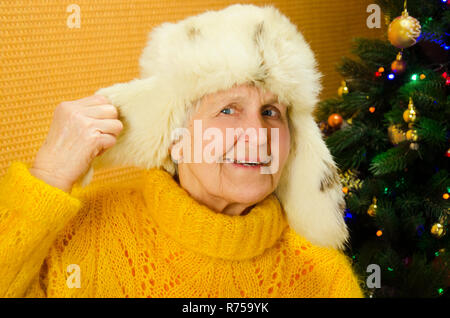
x,y
213,51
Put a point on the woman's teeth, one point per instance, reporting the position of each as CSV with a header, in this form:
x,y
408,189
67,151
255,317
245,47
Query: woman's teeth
x,y
246,163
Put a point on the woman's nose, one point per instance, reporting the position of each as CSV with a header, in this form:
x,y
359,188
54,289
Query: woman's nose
x,y
255,131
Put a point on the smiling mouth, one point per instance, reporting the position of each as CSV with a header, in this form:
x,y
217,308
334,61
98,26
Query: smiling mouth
x,y
248,163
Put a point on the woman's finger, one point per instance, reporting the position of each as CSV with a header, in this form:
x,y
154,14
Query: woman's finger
x,y
105,111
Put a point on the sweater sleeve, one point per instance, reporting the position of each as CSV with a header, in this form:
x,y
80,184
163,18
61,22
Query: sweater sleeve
x,y
345,283
32,213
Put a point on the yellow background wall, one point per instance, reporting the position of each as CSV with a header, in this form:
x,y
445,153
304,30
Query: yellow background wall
x,y
44,62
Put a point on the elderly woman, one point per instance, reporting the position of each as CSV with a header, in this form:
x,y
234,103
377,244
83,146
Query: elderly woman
x,y
234,224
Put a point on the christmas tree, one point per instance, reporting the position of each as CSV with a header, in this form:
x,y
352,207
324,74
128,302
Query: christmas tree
x,y
388,130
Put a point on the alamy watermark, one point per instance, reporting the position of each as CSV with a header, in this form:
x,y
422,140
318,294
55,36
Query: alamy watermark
x,y
74,278
74,19
374,279
374,19
257,145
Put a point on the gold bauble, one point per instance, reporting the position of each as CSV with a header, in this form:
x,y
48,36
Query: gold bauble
x,y
411,135
403,31
410,114
343,89
372,210
396,135
437,230
399,65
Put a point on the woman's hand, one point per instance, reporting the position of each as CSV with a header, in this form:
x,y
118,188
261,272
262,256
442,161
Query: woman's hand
x,y
80,131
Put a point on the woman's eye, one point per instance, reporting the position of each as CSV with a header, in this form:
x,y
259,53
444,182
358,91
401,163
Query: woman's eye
x,y
270,113
227,111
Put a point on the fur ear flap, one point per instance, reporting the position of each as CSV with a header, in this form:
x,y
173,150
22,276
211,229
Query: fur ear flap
x,y
310,189
147,111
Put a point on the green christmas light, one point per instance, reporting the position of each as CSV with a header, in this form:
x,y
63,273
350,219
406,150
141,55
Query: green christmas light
x,y
390,269
440,290
386,190
436,254
414,77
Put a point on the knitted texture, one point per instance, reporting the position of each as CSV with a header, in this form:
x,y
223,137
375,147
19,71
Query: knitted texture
x,y
152,239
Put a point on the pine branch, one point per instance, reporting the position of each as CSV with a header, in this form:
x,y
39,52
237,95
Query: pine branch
x,y
422,279
354,102
387,220
373,52
434,208
355,203
393,160
438,182
344,138
408,204
349,68
327,107
395,115
432,132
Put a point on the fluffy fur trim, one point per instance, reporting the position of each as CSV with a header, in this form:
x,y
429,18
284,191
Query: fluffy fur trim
x,y
213,51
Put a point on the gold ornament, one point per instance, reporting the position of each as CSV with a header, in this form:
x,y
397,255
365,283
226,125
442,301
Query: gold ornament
x,y
399,65
438,229
343,89
403,31
414,146
372,210
350,181
411,135
410,114
396,135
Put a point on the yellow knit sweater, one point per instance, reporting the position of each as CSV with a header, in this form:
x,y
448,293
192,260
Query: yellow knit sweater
x,y
152,239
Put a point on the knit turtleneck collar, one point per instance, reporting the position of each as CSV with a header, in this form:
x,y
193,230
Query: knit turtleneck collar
x,y
205,231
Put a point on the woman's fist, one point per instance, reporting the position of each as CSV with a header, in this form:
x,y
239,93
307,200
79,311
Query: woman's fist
x,y
80,131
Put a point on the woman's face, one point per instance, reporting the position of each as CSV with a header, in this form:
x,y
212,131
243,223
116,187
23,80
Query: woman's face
x,y
242,161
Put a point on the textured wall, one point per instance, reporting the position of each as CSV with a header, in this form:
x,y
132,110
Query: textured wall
x,y
44,62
